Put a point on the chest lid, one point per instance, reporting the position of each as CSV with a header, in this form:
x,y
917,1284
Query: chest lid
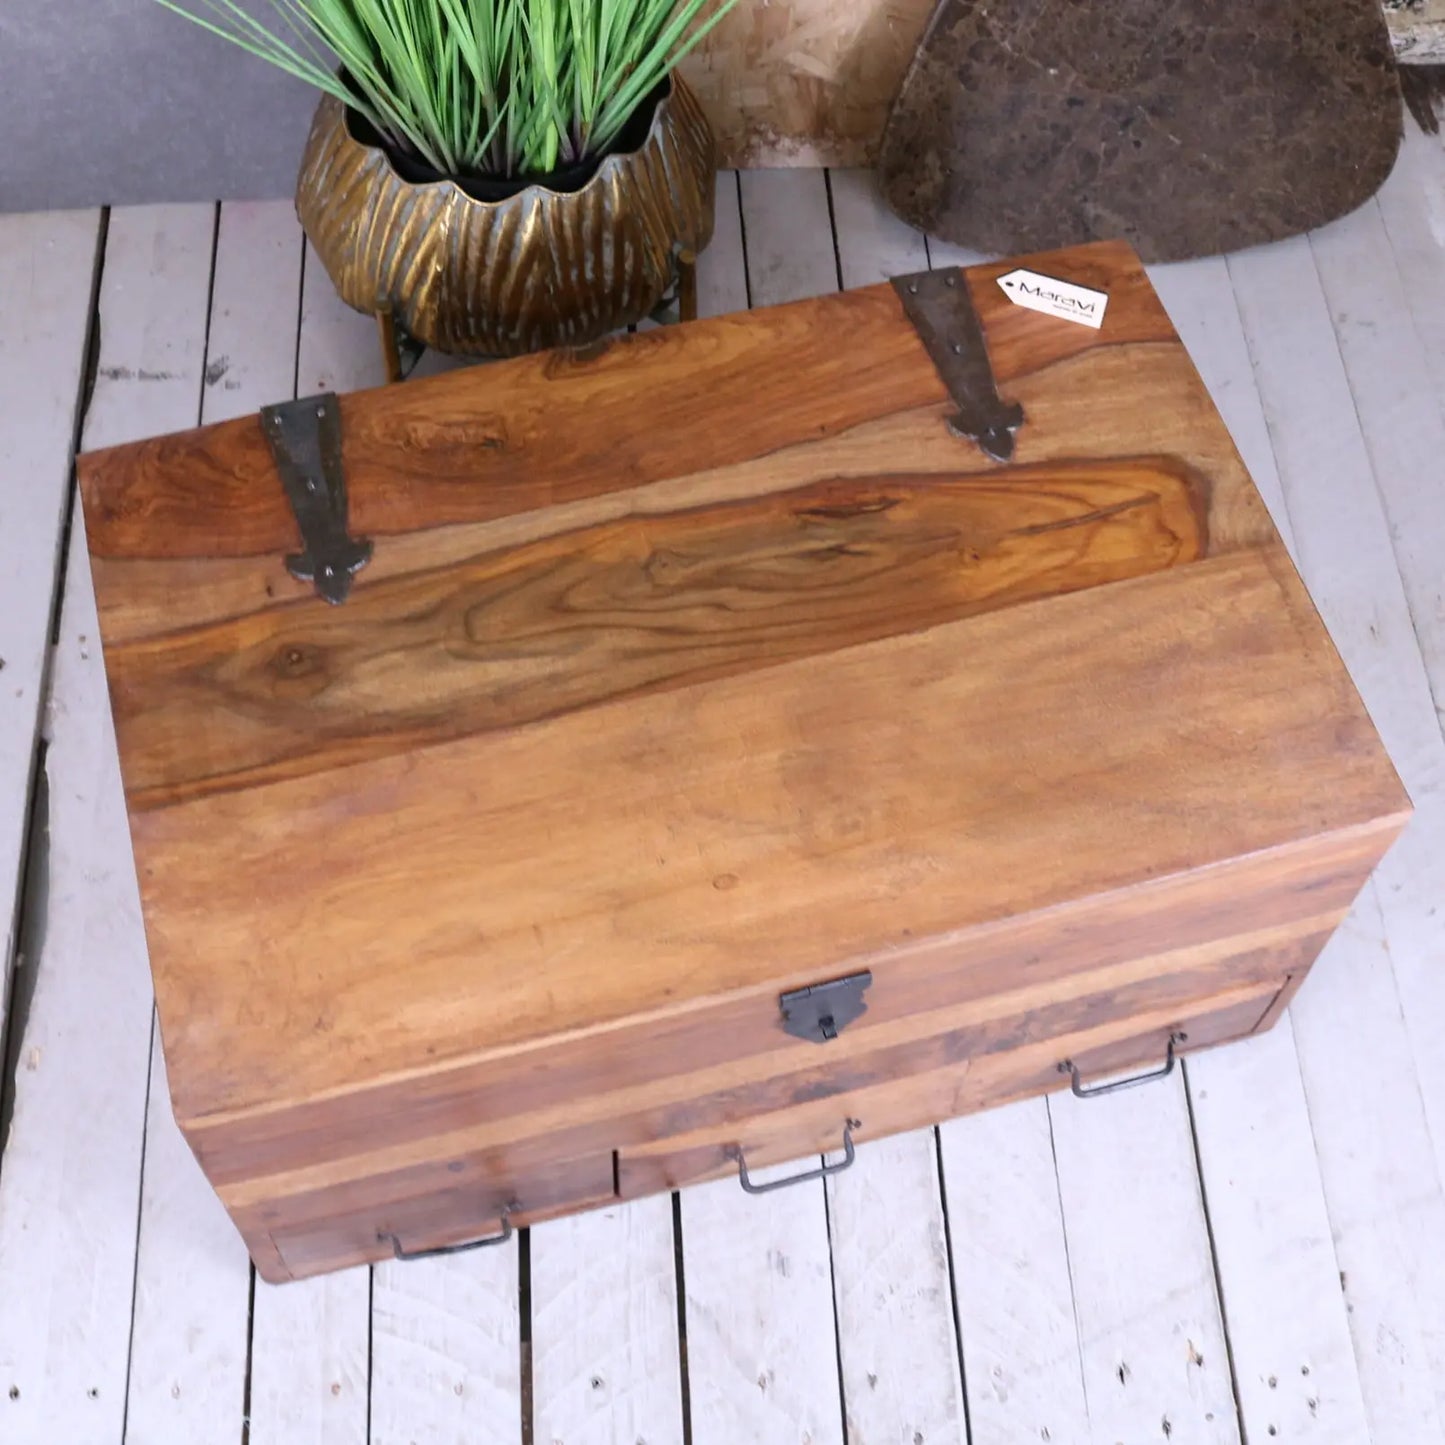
x,y
715,659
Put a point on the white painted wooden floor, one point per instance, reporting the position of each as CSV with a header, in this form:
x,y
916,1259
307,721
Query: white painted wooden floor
x,y
1251,1252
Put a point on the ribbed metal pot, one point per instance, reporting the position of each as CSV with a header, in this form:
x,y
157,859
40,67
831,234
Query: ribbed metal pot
x,y
500,278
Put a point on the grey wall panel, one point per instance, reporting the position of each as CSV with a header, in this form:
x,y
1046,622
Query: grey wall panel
x,y
120,101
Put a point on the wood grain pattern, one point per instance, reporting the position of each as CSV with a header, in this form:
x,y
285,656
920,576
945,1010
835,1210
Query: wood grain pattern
x,y
589,851
629,608
494,457
954,1086
554,1149
1108,943
483,443
1151,392
642,715
460,1189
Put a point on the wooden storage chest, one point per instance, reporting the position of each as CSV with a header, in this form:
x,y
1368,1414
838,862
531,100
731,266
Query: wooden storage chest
x,y
682,677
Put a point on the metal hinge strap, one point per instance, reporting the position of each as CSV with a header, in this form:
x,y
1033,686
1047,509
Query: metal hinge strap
x,y
305,441
942,312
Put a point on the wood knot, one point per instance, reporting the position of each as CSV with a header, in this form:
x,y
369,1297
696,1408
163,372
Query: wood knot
x,y
296,660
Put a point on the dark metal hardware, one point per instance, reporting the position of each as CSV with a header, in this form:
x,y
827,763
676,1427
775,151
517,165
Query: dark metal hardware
x,y
821,1172
442,1250
399,349
941,310
305,441
1133,1082
822,1010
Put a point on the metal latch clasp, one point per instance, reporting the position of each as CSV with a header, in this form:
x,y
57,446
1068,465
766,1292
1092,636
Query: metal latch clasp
x,y
822,1010
942,313
305,441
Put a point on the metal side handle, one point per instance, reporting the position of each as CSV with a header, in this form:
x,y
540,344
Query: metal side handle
x,y
442,1250
1099,1090
821,1172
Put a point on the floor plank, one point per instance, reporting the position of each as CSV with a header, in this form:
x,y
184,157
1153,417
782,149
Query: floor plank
x,y
1382,1185
1289,1333
761,1347
892,1287
755,1268
1124,1319
255,305
190,1340
70,1185
945,253
1373,314
1199,297
71,1181
1270,1229
446,1365
1022,1360
46,266
722,269
893,1296
192,1294
1412,203
338,350
1139,1256
873,244
1408,888
788,236
1128,1319
1377,315
310,1361
1339,525
605,1364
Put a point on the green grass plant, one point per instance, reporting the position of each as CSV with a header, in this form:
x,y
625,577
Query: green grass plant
x,y
504,88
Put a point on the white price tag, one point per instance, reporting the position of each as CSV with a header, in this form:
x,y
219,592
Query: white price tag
x,y
1080,304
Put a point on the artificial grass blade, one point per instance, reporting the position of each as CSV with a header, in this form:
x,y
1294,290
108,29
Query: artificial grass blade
x,y
499,87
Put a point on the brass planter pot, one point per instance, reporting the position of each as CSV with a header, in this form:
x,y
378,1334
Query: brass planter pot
x,y
500,278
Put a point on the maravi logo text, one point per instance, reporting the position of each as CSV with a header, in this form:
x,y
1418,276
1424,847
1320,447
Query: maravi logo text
x,y
1081,304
